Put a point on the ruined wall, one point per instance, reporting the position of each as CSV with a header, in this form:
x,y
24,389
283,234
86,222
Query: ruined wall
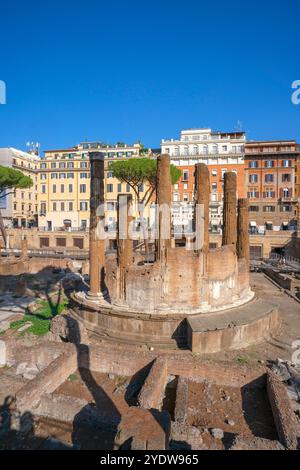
x,y
191,281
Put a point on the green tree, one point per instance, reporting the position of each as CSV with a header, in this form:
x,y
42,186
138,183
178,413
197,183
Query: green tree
x,y
10,180
137,172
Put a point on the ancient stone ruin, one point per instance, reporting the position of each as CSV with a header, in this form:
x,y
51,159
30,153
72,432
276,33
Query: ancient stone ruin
x,y
188,295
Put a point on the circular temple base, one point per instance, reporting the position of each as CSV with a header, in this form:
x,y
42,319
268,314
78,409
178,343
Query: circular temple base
x,y
233,328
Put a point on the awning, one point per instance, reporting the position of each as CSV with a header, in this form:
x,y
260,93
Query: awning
x,y
252,223
285,223
269,222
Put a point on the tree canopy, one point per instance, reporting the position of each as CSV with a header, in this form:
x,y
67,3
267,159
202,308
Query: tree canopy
x,y
138,171
11,179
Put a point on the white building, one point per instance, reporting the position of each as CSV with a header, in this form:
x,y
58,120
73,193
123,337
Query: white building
x,y
221,151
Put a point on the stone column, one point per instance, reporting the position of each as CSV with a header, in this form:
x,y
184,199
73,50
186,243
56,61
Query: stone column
x,y
124,240
98,289
163,199
202,195
243,250
229,236
24,247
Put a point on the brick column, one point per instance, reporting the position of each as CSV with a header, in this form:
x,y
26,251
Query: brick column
x,y
243,250
124,241
97,240
163,199
229,236
202,194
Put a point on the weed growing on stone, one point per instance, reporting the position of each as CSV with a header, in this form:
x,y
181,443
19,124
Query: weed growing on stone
x,y
41,318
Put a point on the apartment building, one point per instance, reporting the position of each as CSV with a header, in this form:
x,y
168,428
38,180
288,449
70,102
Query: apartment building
x,y
21,208
221,152
64,182
271,179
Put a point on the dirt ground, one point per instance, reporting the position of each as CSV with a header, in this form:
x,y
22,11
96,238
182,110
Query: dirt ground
x,y
280,345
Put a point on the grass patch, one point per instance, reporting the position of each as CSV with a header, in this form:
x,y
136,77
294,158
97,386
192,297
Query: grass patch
x,y
41,318
72,377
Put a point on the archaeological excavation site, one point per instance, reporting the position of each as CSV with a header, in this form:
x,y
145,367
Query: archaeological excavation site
x,y
165,345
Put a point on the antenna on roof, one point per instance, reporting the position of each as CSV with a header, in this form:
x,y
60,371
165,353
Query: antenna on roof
x,y
239,126
33,148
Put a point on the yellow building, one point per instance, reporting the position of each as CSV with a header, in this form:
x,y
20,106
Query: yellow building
x,y
64,186
21,208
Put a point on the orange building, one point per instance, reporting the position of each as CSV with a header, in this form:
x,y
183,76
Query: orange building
x,y
272,186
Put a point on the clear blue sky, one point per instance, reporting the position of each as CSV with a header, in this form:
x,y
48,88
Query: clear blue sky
x,y
128,70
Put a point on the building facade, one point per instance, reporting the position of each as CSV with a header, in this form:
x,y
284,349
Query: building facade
x,y
21,208
64,182
271,168
221,152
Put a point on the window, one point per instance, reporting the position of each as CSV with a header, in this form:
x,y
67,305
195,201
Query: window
x,y
83,206
43,176
253,209
53,165
61,242
185,151
78,243
62,176
70,188
253,164
269,193
62,188
23,207
205,149
286,178
286,163
176,186
54,176
109,188
253,178
214,149
286,208
195,150
15,206
83,165
185,198
269,178
44,242
119,187
185,186
269,164
176,197
224,148
62,206
70,165
109,174
70,206
62,165
127,188
82,188
70,175
83,175
43,208
253,194
110,206
43,188
54,206
176,151
285,192
185,175
269,226
214,173
54,188
43,165
214,187
269,208
224,170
